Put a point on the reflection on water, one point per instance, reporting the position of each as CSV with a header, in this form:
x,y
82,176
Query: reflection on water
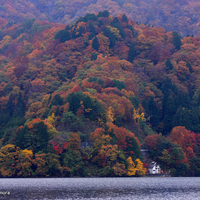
x,y
101,188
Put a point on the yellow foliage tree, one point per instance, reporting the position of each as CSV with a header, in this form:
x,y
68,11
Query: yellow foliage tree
x,y
51,119
110,114
127,93
24,163
8,154
7,39
28,152
119,169
45,100
99,138
137,116
140,170
35,110
41,163
111,152
131,170
114,31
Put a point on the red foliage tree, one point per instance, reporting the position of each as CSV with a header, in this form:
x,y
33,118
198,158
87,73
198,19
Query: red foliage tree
x,y
151,141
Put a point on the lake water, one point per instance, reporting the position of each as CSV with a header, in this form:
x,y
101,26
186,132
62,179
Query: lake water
x,y
101,188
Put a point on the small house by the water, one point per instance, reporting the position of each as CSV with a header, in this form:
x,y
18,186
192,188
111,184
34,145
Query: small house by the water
x,y
154,168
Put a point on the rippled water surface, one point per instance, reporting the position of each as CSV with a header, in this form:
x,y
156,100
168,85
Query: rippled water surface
x,y
101,188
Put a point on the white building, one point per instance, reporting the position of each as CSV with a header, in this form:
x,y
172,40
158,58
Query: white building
x,y
154,168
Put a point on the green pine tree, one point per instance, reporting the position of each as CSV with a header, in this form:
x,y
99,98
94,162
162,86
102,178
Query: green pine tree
x,y
124,18
10,105
189,67
95,44
169,64
131,53
20,106
177,40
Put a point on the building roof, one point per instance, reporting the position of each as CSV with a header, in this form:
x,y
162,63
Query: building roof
x,y
152,164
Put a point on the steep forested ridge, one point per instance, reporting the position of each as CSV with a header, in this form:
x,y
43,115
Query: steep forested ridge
x,y
173,15
79,100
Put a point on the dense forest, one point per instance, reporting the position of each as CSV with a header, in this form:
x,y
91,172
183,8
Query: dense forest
x,y
173,15
81,99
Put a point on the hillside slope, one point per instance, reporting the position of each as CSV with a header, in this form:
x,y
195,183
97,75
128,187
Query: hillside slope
x,y
177,15
104,82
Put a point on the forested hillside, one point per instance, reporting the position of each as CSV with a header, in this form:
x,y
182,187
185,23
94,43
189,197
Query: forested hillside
x,y
81,99
173,15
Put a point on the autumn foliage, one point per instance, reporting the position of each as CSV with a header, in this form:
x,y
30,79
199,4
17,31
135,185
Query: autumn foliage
x,y
81,99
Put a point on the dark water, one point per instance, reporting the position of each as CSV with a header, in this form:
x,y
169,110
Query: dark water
x,y
101,188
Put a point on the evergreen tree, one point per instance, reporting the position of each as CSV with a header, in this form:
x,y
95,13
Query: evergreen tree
x,y
132,146
20,106
115,23
8,88
189,67
131,53
163,143
88,104
177,40
145,106
92,31
42,137
92,28
95,44
22,139
183,99
100,23
57,113
124,18
167,87
169,109
65,37
119,84
74,100
94,56
77,32
92,35
57,100
111,37
105,13
194,164
132,30
154,112
35,139
169,64
67,28
182,118
135,101
195,122
74,161
10,106
9,136
89,17
196,97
